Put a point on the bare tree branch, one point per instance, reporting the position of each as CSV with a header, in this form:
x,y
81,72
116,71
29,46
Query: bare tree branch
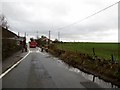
x,y
3,21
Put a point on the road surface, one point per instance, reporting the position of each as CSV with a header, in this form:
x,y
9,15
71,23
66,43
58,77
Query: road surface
x,y
41,70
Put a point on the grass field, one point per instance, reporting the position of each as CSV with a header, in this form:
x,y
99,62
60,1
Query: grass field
x,y
102,50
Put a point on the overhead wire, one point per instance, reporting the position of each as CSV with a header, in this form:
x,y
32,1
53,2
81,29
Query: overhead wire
x,y
88,16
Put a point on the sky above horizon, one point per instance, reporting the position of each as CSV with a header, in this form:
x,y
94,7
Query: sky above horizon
x,y
32,16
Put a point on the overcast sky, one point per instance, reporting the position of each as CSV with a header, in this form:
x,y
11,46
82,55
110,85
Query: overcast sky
x,y
31,16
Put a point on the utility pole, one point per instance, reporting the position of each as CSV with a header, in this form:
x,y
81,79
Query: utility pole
x,y
49,40
58,36
25,34
49,37
18,34
37,34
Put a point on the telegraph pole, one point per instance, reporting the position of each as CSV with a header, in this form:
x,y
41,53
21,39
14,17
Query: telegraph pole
x,y
49,37
18,34
58,36
49,40
37,34
25,34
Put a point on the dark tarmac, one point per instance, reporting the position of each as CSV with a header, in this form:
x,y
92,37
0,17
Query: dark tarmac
x,y
41,70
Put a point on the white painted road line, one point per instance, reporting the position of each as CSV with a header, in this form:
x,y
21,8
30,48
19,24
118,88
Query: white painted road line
x,y
3,74
7,71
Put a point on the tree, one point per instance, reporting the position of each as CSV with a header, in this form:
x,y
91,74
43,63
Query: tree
x,y
55,41
31,39
3,22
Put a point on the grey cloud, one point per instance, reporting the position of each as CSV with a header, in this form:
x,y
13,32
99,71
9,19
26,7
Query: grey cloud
x,y
31,17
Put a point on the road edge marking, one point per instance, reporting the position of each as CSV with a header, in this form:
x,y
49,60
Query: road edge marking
x,y
8,70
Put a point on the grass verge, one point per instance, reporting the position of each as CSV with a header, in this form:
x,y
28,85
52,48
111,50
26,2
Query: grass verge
x,y
108,70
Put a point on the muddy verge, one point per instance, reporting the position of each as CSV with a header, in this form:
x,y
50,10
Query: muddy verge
x,y
107,70
10,61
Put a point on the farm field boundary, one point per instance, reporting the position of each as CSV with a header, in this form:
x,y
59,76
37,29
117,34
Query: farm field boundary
x,y
107,69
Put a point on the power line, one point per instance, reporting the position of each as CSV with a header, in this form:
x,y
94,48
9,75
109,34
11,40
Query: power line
x,y
88,16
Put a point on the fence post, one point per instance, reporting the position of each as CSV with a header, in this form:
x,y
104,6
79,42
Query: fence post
x,y
112,58
93,51
93,78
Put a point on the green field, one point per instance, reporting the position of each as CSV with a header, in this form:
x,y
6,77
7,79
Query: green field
x,y
102,50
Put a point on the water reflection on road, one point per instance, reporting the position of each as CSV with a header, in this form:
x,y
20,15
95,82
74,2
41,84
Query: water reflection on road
x,y
90,77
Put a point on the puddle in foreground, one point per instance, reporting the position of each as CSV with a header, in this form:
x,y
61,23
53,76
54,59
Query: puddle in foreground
x,y
90,77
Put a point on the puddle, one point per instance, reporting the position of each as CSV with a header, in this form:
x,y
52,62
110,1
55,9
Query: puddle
x,y
90,77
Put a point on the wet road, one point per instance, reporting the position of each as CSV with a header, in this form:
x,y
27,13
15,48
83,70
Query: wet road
x,y
41,70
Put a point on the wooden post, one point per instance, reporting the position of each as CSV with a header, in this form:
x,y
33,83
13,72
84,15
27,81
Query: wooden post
x,y
18,34
93,51
58,36
111,85
112,57
93,78
49,40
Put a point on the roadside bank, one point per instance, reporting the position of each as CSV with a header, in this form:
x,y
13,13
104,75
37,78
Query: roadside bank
x,y
105,69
